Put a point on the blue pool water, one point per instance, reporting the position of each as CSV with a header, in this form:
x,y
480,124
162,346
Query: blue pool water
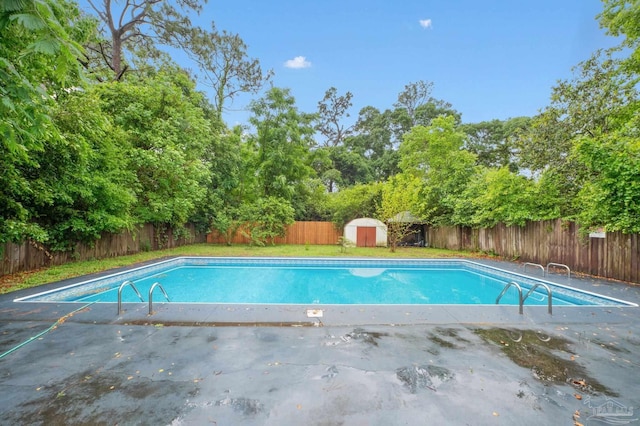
x,y
320,281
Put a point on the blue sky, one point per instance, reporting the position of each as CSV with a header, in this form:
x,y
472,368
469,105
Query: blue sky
x,y
489,59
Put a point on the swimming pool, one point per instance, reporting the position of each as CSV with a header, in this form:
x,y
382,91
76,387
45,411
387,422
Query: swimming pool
x,y
305,281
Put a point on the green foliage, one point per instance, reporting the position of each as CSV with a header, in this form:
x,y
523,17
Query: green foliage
x,y
331,109
611,198
622,18
267,219
434,154
362,200
496,196
399,198
83,190
493,142
38,62
165,134
282,140
593,104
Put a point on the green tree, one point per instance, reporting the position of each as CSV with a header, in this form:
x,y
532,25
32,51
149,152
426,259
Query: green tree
x,y
399,198
39,48
231,182
494,141
361,200
496,196
434,154
596,102
622,18
416,107
611,197
331,111
166,133
137,25
82,188
267,219
374,142
283,138
225,66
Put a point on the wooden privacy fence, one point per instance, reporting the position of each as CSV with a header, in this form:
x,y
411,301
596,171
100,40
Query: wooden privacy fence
x,y
315,233
615,256
29,256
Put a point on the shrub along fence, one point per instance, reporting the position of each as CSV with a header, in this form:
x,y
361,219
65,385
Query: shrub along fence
x,y
29,256
612,255
314,233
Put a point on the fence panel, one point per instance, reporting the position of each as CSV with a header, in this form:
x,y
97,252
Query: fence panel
x,y
315,233
616,256
29,256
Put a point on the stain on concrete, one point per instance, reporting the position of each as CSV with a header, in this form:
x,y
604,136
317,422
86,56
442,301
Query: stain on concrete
x,y
369,337
245,406
549,358
423,377
90,398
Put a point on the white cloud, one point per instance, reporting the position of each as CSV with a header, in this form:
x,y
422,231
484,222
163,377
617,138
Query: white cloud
x,y
425,23
297,62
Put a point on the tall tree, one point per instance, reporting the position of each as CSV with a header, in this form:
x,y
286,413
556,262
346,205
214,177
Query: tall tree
x,y
399,198
494,141
282,139
622,18
594,103
415,106
39,49
434,154
225,66
332,109
141,23
166,133
374,141
611,197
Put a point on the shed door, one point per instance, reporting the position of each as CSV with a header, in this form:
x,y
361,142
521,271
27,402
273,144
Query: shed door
x,y
366,236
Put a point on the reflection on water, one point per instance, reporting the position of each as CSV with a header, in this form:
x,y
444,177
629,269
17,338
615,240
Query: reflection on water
x,y
366,272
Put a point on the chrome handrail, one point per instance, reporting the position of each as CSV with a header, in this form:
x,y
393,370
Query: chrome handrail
x,y
151,295
560,265
520,299
122,286
549,297
536,265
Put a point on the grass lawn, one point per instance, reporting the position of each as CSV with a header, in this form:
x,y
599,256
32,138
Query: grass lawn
x,y
24,280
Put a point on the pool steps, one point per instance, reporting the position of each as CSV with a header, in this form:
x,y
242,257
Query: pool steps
x,y
545,272
153,287
133,286
521,299
122,286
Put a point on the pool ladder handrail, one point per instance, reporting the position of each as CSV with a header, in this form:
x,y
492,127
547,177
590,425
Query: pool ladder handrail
x,y
536,265
153,287
549,297
520,300
122,286
562,265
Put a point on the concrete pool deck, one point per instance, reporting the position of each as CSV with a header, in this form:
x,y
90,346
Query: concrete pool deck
x,y
364,366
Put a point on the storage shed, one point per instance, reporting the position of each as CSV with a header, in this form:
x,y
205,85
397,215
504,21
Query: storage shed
x,y
366,232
